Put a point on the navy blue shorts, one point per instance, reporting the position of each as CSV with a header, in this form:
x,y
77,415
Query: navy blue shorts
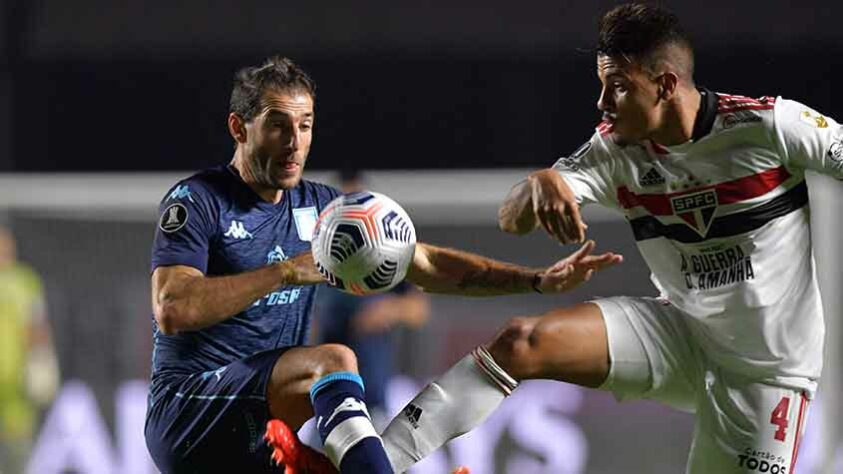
x,y
212,421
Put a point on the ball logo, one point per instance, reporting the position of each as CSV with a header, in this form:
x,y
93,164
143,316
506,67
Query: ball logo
x,y
382,276
346,241
396,228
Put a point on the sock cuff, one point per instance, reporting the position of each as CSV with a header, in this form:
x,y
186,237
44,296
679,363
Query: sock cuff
x,y
334,377
491,368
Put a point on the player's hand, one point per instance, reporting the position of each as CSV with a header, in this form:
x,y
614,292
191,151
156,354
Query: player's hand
x,y
575,269
555,207
301,270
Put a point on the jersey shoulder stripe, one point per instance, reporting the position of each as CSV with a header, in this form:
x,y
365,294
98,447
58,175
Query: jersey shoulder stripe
x,y
727,103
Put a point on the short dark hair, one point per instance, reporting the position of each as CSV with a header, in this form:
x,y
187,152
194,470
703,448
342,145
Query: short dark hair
x,y
637,31
276,73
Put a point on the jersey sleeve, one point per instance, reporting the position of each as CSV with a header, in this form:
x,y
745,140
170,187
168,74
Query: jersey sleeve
x,y
587,172
808,139
185,227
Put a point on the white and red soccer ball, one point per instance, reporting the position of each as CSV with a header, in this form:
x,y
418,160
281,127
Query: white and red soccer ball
x,y
363,243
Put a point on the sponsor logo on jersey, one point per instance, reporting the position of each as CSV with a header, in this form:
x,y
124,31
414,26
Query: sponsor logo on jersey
x,y
696,209
237,231
762,461
651,178
835,151
173,218
181,192
739,118
275,255
716,267
305,219
814,119
572,162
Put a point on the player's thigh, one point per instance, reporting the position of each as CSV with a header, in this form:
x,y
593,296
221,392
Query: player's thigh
x,y
652,353
745,427
212,420
295,371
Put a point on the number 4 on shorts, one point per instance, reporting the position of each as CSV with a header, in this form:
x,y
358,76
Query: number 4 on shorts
x,y
779,418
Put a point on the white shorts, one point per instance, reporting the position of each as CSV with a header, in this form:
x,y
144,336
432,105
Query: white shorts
x,y
742,425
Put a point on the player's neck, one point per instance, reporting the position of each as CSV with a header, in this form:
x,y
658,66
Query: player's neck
x,y
268,194
679,120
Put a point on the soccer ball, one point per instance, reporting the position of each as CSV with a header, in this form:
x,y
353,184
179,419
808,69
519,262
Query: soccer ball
x,y
363,243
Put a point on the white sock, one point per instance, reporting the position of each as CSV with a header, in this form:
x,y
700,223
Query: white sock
x,y
449,407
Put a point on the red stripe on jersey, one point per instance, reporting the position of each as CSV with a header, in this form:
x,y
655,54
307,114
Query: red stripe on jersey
x,y
604,128
659,149
803,403
731,103
729,192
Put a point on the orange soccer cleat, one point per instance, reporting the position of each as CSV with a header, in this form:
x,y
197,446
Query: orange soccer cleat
x,y
296,457
461,470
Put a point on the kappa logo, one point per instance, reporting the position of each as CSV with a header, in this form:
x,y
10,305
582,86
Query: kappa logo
x,y
651,178
181,192
214,373
696,209
173,218
238,231
349,404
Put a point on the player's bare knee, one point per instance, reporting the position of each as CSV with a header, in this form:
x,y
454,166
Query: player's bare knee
x,y
512,348
335,358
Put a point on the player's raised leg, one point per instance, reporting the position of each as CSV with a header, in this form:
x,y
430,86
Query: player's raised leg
x,y
569,344
323,380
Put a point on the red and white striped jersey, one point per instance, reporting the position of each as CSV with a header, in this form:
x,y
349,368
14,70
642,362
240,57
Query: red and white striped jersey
x,y
723,223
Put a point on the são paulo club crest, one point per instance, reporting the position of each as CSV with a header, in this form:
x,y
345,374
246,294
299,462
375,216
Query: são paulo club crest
x,y
696,209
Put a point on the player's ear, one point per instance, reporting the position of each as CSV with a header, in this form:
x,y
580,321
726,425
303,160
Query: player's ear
x,y
668,82
237,127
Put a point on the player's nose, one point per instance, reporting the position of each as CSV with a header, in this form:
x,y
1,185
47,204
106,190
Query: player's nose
x,y
604,101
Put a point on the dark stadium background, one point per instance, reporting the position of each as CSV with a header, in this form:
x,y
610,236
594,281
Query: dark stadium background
x,y
102,86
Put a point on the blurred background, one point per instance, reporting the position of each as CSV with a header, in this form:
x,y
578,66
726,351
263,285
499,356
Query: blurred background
x,y
104,105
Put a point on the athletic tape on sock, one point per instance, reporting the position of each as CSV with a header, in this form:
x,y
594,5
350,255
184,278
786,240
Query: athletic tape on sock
x,y
347,434
502,379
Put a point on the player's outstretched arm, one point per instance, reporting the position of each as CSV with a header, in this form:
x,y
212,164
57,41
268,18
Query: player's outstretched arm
x,y
443,270
543,199
183,299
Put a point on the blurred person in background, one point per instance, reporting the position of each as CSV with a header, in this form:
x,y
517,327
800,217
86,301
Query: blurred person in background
x,y
29,375
370,325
